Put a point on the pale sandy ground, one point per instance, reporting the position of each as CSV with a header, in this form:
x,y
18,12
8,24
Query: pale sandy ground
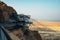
x,y
55,26
47,30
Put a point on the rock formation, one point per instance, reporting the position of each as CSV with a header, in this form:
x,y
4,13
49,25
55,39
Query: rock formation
x,y
7,13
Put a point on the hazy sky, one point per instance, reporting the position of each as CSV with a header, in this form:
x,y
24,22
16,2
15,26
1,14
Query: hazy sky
x,y
43,10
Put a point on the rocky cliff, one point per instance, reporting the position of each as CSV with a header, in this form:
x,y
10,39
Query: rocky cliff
x,y
7,13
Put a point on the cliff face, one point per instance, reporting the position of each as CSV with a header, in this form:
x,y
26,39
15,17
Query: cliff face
x,y
6,12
